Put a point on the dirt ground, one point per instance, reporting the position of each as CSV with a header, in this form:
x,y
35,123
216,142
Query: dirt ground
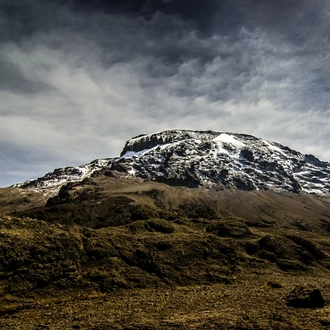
x,y
250,302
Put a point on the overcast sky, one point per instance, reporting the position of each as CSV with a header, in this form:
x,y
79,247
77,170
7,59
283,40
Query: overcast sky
x,y
79,78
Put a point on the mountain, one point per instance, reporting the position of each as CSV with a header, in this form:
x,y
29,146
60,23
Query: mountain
x,y
207,159
153,239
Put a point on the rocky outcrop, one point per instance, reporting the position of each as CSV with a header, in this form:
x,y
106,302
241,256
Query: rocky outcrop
x,y
305,297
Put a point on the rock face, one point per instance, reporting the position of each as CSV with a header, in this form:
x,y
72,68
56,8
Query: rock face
x,y
209,159
223,160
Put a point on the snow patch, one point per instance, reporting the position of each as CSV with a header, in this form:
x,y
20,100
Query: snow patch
x,y
230,139
274,148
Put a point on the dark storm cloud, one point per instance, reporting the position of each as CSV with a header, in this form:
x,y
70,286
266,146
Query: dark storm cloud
x,y
78,78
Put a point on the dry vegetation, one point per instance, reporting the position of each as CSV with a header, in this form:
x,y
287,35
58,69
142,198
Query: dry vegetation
x,y
118,253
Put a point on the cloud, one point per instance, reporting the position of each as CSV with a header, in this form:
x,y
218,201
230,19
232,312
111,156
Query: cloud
x,y
78,80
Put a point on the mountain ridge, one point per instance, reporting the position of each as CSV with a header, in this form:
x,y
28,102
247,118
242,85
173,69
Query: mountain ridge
x,y
209,159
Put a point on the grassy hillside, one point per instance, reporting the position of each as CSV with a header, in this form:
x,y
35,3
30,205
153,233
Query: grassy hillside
x,y
120,253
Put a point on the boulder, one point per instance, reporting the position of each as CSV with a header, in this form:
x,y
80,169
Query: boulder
x,y
305,297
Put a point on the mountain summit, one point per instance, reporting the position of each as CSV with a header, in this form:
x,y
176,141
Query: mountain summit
x,y
207,159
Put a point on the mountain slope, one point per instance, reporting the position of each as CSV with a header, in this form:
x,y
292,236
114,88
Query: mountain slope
x,y
109,232
104,201
60,176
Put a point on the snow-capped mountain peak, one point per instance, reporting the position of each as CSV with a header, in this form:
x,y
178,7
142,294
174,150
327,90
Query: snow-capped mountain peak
x,y
224,160
208,159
